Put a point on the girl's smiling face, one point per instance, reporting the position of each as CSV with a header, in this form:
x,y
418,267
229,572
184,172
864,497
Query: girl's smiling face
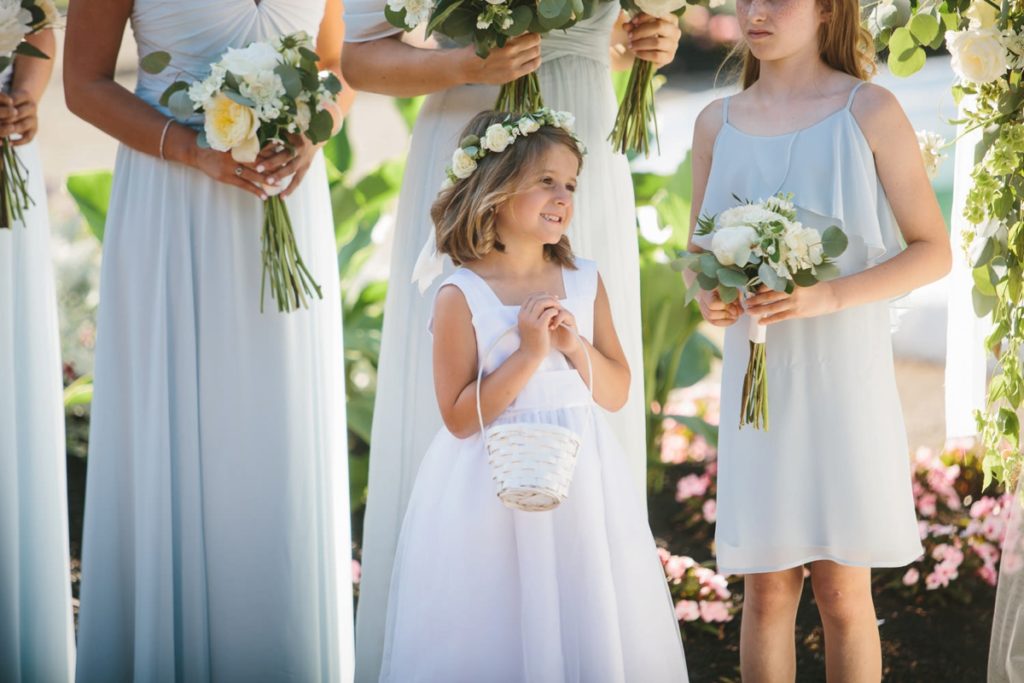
x,y
541,211
776,29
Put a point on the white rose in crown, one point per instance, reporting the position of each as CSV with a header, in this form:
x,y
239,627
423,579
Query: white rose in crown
x,y
660,8
732,246
251,60
231,127
15,24
565,120
496,138
463,165
978,54
930,145
528,125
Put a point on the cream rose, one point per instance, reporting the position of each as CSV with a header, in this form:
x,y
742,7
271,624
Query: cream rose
x,y
978,54
746,214
528,125
231,127
982,14
497,138
732,246
463,165
660,8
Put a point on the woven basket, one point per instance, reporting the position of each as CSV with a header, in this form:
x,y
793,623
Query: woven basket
x,y
531,462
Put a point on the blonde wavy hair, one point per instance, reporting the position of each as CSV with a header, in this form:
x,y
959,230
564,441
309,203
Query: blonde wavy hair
x,y
465,214
843,43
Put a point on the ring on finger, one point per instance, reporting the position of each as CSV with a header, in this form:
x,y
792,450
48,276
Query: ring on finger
x,y
238,171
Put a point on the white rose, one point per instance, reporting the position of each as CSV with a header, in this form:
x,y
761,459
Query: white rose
x,y
528,125
231,127
15,24
930,145
660,8
745,215
251,60
497,138
978,54
732,246
982,14
463,165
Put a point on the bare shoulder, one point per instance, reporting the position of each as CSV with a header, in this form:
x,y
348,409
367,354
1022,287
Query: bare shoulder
x,y
879,115
710,120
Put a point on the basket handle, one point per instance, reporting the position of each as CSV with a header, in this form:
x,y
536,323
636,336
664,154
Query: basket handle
x,y
513,328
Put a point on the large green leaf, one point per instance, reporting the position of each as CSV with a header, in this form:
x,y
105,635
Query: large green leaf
x,y
91,191
155,62
409,109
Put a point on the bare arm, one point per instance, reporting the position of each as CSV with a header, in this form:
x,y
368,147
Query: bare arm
x,y
455,368
328,47
611,369
392,67
901,171
705,130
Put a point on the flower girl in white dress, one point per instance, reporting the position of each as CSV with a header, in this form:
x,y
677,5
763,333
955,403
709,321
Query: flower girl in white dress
x,y
482,592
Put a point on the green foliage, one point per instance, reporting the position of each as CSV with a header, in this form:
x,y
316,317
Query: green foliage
x,y
91,191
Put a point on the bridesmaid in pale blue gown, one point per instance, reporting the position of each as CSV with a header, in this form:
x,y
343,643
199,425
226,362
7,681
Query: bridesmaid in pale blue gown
x,y
216,539
36,635
574,70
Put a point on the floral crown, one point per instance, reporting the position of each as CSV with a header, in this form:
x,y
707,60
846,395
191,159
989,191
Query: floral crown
x,y
500,136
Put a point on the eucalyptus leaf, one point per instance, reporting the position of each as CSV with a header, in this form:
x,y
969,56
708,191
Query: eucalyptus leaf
x,y
549,9
983,305
290,79
180,105
770,278
440,16
709,264
706,282
834,241
320,127
827,271
171,89
732,277
727,294
155,62
924,28
240,98
805,278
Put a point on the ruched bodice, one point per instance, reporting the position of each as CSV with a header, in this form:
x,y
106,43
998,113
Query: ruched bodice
x,y
197,32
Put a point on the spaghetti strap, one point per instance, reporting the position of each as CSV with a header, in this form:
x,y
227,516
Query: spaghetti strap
x,y
725,109
849,101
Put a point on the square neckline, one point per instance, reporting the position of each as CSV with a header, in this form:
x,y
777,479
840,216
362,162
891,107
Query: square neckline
x,y
494,295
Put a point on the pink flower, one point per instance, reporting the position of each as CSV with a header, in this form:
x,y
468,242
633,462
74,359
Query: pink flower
x,y
676,566
720,585
934,581
664,555
988,574
704,575
710,510
926,505
982,507
993,528
922,530
690,486
687,610
911,577
714,611
673,447
357,571
988,553
946,572
701,450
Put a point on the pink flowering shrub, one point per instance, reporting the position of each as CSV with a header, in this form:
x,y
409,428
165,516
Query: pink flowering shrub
x,y
701,595
962,529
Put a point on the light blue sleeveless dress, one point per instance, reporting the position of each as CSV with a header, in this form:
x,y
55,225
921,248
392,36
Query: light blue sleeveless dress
x,y
572,595
831,479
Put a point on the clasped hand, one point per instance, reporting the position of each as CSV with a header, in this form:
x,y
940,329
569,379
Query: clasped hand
x,y
769,306
18,116
545,325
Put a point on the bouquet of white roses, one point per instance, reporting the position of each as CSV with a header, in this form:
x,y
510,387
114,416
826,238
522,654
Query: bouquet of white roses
x,y
252,96
755,244
19,19
488,24
636,110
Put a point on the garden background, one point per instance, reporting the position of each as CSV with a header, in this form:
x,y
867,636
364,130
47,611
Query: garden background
x,y
935,618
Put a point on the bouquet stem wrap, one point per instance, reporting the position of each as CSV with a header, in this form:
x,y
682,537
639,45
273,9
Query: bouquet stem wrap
x,y
14,197
754,399
520,95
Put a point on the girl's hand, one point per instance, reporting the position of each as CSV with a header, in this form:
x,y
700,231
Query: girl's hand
x,y
770,306
520,56
563,333
18,116
652,39
535,316
715,311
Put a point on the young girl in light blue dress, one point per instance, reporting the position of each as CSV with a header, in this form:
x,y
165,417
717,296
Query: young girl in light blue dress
x,y
829,485
482,592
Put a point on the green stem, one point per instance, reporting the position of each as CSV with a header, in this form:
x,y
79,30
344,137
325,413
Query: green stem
x,y
289,278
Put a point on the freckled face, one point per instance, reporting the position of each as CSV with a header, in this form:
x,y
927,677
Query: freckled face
x,y
775,29
543,208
